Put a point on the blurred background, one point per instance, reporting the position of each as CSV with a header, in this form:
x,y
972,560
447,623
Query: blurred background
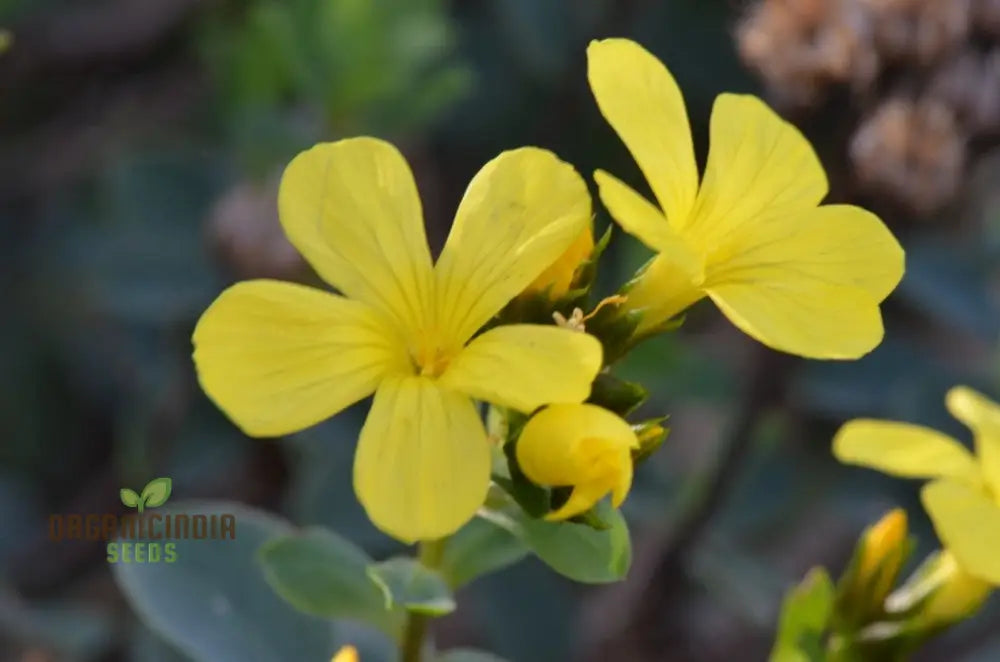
x,y
140,146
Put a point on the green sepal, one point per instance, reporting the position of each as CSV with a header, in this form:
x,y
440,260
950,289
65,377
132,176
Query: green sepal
x,y
616,394
651,433
858,602
615,328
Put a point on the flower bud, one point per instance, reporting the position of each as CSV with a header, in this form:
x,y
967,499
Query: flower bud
x,y
346,654
881,547
558,278
878,559
582,446
651,435
939,594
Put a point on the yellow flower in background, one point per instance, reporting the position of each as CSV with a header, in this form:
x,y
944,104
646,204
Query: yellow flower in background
x,y
346,654
799,277
956,595
963,500
938,594
557,279
582,446
279,357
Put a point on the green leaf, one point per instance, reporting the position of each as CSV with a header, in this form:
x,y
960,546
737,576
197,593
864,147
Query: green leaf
x,y
480,547
156,492
129,497
577,551
407,583
805,615
213,603
616,394
323,574
467,655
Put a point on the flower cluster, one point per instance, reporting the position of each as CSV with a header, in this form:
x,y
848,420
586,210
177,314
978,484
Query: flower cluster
x,y
432,339
963,497
924,74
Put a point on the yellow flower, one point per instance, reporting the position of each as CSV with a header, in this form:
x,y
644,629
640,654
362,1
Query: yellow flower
x,y
579,445
278,357
957,595
963,500
346,654
558,277
938,594
799,277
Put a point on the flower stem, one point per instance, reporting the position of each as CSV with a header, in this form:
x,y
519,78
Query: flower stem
x,y
415,629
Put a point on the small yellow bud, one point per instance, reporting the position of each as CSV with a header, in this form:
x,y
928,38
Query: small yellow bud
x,y
880,551
582,446
878,558
346,654
558,277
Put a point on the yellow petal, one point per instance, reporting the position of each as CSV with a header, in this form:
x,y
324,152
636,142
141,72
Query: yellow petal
x,y
579,445
519,214
805,317
982,416
524,366
422,467
663,289
641,101
756,161
902,449
351,208
558,277
968,523
810,282
836,244
581,499
646,223
558,445
278,357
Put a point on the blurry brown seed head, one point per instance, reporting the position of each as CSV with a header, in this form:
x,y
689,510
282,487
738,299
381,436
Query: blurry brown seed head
x,y
986,17
970,83
919,30
910,151
800,47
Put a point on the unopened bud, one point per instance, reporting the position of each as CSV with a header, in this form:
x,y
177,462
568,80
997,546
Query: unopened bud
x,y
878,559
559,277
582,446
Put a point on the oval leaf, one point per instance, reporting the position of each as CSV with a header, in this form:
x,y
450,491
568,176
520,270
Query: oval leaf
x,y
323,574
479,547
212,601
577,551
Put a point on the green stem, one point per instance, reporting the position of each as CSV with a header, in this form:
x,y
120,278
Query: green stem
x,y
415,630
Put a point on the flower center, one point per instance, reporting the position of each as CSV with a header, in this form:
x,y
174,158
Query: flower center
x,y
432,361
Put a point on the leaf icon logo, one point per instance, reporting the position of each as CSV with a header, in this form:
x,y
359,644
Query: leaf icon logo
x,y
155,494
